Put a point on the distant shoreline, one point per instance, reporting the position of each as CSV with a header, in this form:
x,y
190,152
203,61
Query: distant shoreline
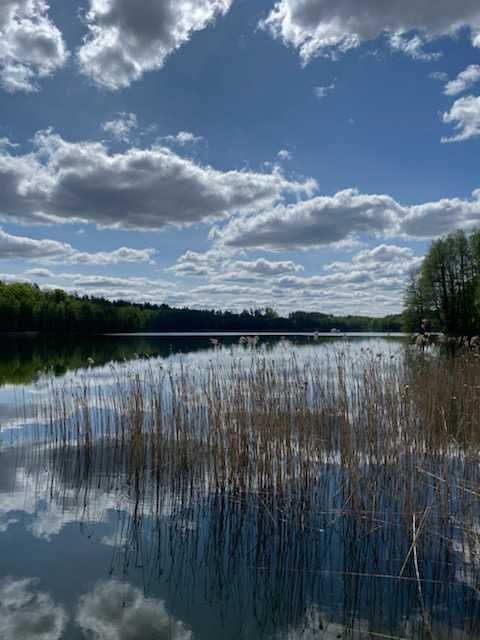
x,y
208,334
279,334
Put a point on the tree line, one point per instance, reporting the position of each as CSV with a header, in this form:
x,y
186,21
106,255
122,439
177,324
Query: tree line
x,y
25,307
446,289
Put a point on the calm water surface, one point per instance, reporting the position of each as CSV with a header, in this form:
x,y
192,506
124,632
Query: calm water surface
x,y
84,560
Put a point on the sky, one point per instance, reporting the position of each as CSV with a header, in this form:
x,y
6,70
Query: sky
x,y
231,154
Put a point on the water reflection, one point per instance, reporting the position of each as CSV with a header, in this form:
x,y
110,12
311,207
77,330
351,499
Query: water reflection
x,y
29,366
111,611
24,358
309,532
27,613
118,611
231,565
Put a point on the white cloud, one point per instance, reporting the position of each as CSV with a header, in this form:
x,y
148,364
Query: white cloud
x,y
319,221
266,268
22,248
182,138
463,81
438,75
39,273
5,142
372,282
122,127
313,282
31,46
18,247
284,155
119,611
192,263
123,254
321,92
27,613
385,260
190,269
412,45
229,290
383,253
218,264
137,189
14,277
465,117
325,220
126,39
135,283
252,271
331,27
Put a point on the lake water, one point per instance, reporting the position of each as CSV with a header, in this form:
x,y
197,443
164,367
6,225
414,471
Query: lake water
x,y
81,556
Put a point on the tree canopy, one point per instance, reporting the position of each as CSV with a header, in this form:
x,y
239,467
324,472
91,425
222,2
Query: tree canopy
x,y
446,288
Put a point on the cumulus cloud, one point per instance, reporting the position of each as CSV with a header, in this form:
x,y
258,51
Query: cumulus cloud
x,y
465,79
138,189
383,253
27,613
118,611
126,39
17,247
389,259
22,248
465,117
318,221
121,127
192,263
314,282
31,46
190,269
218,264
325,220
123,254
263,267
260,271
331,27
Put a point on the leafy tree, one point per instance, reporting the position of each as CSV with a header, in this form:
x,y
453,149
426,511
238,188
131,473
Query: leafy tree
x,y
446,289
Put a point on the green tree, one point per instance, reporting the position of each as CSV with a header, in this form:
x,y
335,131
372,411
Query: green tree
x,y
446,289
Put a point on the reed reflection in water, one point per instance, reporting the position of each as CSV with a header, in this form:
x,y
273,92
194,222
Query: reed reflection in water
x,y
301,498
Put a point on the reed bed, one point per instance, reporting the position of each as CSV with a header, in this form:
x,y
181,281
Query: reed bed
x,y
283,462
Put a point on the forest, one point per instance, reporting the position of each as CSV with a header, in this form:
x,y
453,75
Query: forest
x,y
25,307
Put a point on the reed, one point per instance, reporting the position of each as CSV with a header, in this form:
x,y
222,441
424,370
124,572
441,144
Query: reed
x,y
380,452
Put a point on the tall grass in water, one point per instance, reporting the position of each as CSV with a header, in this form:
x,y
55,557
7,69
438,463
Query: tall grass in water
x,y
381,452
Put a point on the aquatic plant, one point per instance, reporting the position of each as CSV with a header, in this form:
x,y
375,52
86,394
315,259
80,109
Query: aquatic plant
x,y
378,454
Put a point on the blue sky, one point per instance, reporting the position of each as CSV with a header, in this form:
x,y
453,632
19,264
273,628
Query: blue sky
x,y
300,154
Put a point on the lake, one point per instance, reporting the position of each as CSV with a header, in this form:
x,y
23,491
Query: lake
x,y
198,487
